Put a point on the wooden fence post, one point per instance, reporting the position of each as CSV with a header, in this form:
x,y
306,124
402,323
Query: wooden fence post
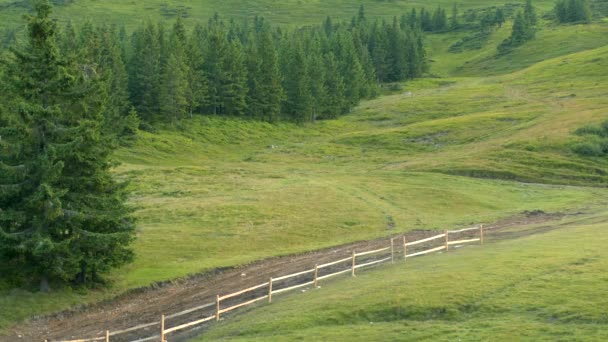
x,y
447,241
481,233
107,335
162,328
404,248
392,252
316,275
270,290
217,307
353,270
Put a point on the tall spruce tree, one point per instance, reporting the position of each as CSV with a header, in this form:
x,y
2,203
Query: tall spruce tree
x,y
266,91
335,101
145,71
530,13
175,88
63,216
298,103
233,90
454,21
197,94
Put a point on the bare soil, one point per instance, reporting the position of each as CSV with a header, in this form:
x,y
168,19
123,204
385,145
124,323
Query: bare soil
x,y
147,305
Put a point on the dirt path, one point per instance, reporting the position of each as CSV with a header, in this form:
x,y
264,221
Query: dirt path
x,y
146,306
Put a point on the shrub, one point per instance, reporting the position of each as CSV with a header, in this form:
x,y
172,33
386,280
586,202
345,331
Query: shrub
x,y
589,149
592,130
605,127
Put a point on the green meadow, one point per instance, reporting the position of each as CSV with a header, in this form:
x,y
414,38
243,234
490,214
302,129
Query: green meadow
x,y
541,287
287,12
483,137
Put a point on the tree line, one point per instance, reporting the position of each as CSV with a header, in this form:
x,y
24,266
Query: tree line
x,y
572,11
249,69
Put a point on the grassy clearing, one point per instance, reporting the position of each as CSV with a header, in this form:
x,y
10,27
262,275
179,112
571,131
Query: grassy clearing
x,y
540,287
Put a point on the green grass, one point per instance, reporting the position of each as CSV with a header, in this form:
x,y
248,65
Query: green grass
x,y
287,12
213,192
543,287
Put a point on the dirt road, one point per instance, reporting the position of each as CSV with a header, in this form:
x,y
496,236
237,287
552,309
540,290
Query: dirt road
x,y
147,305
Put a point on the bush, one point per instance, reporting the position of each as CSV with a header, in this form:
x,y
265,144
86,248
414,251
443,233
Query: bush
x,y
589,149
605,127
591,130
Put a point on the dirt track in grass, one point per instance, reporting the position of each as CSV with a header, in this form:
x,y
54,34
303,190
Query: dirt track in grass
x,y
147,305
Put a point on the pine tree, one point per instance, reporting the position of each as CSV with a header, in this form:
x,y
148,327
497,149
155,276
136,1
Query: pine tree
x,y
270,93
397,54
174,88
426,21
233,91
298,103
454,23
361,15
335,101
63,216
316,76
197,79
530,14
499,19
350,67
174,93
216,49
379,52
145,72
570,11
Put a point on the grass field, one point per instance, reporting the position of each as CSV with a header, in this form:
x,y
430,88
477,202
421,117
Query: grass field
x,y
287,12
541,287
465,148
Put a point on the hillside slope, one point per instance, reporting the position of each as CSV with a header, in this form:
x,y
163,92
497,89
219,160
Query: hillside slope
x,y
287,12
434,153
536,288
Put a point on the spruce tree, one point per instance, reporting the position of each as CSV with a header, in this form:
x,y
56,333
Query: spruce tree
x,y
215,52
145,72
233,90
454,23
530,14
271,90
298,103
197,79
397,53
335,101
63,216
317,77
350,67
174,93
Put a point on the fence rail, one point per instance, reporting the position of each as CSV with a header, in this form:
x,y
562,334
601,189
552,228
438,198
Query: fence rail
x,y
164,331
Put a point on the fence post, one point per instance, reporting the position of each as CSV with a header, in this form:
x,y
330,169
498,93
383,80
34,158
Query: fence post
x,y
270,290
107,335
162,328
392,252
217,307
316,275
353,270
447,241
481,233
404,248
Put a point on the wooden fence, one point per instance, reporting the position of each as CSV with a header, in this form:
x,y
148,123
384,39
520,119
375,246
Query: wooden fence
x,y
272,286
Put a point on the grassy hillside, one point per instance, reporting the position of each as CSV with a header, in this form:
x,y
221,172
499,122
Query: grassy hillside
x,y
549,43
542,287
287,12
437,153
213,192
